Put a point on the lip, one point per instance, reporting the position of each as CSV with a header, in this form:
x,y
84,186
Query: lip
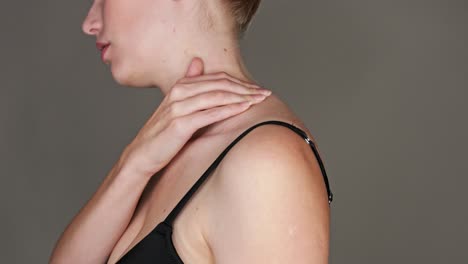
x,y
102,46
103,52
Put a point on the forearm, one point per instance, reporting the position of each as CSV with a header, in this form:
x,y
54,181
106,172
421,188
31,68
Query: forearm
x,y
93,232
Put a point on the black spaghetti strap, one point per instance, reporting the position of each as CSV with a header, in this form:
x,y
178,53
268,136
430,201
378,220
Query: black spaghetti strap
x,y
170,218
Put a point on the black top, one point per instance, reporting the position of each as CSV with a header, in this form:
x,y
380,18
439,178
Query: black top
x,y
158,248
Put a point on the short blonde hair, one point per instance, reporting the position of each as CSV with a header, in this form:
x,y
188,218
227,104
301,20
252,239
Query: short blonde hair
x,y
243,11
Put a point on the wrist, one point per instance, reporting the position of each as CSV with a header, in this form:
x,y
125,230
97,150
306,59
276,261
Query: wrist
x,y
128,166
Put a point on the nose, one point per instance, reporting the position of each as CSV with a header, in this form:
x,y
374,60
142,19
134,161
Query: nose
x,y
92,24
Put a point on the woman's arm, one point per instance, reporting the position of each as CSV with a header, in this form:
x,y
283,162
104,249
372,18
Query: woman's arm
x,y
194,102
93,232
275,205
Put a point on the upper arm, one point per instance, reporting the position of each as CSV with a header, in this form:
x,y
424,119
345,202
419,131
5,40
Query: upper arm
x,y
270,202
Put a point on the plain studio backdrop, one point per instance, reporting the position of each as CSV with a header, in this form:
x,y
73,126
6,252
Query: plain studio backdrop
x,y
382,85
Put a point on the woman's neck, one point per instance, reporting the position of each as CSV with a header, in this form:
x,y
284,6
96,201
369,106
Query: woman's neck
x,y
219,54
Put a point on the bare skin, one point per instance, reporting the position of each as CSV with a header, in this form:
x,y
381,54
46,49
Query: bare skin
x,y
157,168
167,188
144,203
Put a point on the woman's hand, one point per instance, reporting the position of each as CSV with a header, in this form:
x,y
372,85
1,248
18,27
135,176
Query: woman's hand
x,y
195,101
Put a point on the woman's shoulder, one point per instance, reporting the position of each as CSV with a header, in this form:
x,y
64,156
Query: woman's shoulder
x,y
270,170
272,108
268,143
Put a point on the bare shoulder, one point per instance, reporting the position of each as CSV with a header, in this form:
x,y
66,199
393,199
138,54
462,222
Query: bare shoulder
x,y
271,203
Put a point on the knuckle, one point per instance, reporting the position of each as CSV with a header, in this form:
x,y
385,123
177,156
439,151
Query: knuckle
x,y
176,91
171,97
173,109
176,125
218,95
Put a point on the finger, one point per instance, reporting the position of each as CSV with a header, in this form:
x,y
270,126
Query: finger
x,y
209,100
214,76
204,118
183,91
195,67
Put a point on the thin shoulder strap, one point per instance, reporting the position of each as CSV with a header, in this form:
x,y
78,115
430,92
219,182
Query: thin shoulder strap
x,y
170,218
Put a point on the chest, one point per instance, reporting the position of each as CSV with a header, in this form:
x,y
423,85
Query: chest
x,y
161,195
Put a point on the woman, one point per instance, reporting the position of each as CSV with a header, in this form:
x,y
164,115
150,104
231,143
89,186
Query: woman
x,y
266,202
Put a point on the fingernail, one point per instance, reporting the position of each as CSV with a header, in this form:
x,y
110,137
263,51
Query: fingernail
x,y
265,91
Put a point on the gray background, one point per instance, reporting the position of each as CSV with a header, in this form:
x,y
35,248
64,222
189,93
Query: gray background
x,y
382,85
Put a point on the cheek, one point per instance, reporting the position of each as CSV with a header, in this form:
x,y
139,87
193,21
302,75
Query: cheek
x,y
118,19
122,28
143,37
152,43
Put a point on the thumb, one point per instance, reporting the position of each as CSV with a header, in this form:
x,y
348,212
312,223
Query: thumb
x,y
195,68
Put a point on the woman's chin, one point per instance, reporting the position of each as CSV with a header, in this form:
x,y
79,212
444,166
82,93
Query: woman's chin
x,y
128,77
